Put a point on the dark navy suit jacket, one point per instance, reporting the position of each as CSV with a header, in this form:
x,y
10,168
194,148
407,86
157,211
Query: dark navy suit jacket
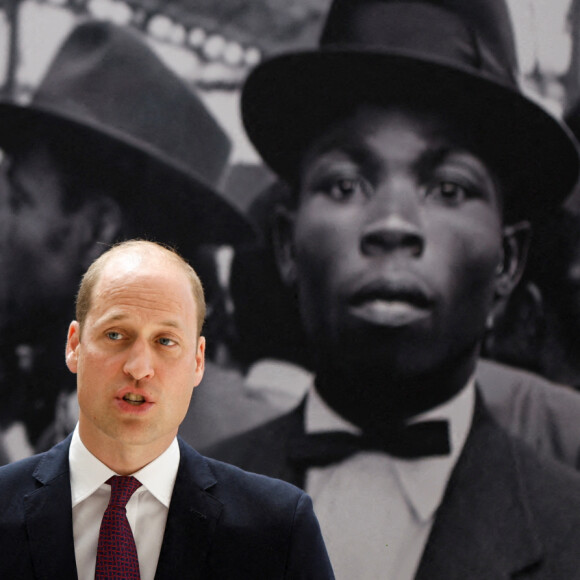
x,y
223,523
506,512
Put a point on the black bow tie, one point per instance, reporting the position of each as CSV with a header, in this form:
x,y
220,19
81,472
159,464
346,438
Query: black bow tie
x,y
423,439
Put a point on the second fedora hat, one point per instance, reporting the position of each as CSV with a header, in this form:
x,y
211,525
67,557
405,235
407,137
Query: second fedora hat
x,y
106,86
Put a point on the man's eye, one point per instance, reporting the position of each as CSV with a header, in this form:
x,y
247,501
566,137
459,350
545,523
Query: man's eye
x,y
166,341
345,188
447,192
114,335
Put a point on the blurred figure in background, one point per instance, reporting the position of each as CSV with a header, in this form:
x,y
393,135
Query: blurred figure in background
x,y
227,402
113,145
271,343
539,327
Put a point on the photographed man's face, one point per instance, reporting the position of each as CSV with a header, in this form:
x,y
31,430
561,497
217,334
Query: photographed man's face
x,y
39,263
396,242
138,356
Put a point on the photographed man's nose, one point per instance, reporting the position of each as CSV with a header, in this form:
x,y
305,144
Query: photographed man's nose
x,y
393,222
139,363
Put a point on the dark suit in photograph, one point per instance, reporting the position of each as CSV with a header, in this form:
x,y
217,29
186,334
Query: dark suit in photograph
x,y
541,413
501,515
222,523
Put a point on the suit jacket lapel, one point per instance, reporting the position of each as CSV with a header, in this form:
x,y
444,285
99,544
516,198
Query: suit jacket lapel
x,y
48,514
483,528
271,454
265,449
291,426
191,521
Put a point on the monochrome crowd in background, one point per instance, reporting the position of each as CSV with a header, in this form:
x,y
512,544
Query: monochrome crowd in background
x,y
253,329
111,143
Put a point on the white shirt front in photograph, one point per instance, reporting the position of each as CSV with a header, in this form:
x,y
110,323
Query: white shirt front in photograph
x,y
375,510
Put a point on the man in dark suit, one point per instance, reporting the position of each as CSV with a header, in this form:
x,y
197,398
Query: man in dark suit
x,y
417,166
123,493
542,413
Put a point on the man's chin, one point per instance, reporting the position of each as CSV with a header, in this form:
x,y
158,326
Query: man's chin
x,y
399,352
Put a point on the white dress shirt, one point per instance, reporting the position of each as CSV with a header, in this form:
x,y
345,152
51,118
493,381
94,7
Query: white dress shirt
x,y
146,510
376,511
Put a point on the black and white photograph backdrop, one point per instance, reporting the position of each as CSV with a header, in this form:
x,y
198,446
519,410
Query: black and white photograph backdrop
x,y
211,47
121,118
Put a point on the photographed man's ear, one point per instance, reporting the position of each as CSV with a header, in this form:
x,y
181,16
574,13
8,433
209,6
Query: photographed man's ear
x,y
517,327
515,245
283,242
102,218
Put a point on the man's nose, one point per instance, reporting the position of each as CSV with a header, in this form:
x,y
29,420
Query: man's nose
x,y
139,363
393,222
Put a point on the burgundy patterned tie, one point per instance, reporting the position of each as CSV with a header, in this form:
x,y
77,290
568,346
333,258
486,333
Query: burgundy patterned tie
x,y
116,552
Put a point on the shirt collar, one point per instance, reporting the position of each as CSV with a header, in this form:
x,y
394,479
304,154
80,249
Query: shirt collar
x,y
159,476
422,481
87,473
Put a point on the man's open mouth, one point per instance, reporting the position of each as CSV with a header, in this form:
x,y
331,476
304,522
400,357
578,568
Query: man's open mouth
x,y
134,399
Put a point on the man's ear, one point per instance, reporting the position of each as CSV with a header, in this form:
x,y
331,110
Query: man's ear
x,y
200,360
73,341
103,220
515,244
283,242
519,328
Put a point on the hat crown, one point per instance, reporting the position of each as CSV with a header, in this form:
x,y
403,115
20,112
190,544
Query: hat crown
x,y
106,78
460,53
475,35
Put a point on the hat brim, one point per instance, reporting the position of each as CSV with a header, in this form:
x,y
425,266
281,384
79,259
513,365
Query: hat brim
x,y
289,100
178,199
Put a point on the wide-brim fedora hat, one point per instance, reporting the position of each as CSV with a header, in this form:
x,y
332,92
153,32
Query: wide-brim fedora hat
x,y
459,53
107,88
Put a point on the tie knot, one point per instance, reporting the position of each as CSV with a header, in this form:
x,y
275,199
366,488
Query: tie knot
x,y
122,488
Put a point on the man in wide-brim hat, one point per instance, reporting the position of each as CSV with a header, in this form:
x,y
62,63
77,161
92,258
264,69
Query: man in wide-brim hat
x,y
385,50
417,165
112,145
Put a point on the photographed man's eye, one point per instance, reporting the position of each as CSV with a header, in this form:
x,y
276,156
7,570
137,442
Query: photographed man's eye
x,y
113,335
447,192
166,341
344,188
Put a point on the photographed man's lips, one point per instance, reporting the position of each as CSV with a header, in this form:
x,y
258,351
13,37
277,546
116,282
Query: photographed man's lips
x,y
391,302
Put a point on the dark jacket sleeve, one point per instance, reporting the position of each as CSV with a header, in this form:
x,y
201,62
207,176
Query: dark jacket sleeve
x,y
307,556
266,529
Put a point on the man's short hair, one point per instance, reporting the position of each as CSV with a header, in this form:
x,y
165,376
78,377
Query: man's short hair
x,y
93,274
